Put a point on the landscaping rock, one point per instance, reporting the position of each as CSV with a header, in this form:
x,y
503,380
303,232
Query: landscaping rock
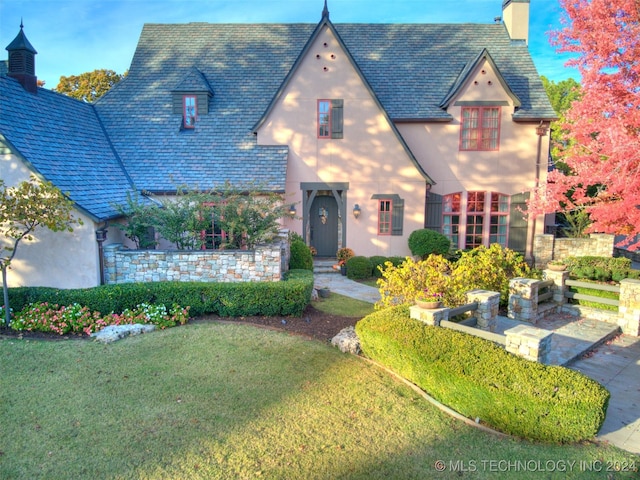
x,y
113,333
347,341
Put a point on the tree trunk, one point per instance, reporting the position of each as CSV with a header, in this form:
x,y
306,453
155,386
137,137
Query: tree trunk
x,y
5,289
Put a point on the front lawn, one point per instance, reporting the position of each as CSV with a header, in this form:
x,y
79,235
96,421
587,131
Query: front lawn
x,y
212,400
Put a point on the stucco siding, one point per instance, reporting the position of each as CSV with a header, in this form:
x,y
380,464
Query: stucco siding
x,y
52,259
370,157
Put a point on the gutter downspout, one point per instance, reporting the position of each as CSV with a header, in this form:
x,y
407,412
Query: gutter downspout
x,y
101,237
541,131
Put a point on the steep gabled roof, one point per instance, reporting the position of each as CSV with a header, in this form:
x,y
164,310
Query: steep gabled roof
x,y
469,69
62,140
326,23
409,69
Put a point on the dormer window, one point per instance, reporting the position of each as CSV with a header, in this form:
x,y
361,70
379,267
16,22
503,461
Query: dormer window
x,y
190,110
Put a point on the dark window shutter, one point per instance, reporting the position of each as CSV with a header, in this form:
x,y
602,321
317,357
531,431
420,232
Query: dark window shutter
x,y
518,224
397,216
433,219
337,107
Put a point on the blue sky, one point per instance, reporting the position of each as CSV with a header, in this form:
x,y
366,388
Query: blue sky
x,y
76,36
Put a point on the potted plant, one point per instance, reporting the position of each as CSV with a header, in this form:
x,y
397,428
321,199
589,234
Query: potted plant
x,y
429,299
556,265
344,254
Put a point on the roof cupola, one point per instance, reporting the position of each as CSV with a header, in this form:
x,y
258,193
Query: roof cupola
x,y
22,63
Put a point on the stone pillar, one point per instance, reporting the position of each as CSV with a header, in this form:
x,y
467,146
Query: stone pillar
x,y
543,249
431,317
629,308
487,311
523,299
529,342
559,284
110,265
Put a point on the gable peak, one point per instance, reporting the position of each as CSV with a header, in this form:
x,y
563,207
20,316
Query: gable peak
x,y
325,11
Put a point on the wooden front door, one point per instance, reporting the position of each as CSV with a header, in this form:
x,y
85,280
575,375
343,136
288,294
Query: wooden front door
x,y
324,226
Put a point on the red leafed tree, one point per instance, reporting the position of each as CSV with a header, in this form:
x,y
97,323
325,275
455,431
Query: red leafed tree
x,y
603,156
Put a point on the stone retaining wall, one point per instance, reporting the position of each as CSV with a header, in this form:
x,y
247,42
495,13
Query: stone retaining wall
x,y
547,247
524,305
525,341
265,263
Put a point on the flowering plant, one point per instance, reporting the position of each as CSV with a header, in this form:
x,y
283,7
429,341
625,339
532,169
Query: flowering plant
x,y
344,254
427,296
75,318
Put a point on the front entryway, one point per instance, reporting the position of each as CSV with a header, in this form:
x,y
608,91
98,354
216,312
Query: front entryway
x,y
323,225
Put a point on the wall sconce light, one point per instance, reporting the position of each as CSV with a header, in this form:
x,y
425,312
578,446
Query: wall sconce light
x,y
541,130
323,214
356,211
292,211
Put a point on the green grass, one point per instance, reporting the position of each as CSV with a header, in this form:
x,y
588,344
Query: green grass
x,y
225,401
337,304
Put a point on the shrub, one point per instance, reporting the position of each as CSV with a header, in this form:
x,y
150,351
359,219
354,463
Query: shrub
x,y
603,269
358,268
425,242
377,261
401,284
488,269
289,297
481,380
301,257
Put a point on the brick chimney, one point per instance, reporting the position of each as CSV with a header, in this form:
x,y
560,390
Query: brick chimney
x,y
22,62
515,14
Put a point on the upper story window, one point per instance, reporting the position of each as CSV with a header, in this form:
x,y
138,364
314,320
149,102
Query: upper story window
x,y
384,217
324,119
480,128
330,118
190,110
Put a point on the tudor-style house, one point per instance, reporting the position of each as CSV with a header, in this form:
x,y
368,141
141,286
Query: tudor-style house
x,y
371,131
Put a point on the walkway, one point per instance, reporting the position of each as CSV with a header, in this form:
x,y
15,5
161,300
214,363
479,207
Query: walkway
x,y
615,363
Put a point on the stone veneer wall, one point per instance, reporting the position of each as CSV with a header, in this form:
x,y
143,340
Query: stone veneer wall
x,y
265,263
547,247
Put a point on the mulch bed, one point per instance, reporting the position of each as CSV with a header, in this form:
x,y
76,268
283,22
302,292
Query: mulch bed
x,y
313,324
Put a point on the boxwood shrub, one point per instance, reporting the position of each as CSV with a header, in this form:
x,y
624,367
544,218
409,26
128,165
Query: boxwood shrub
x,y
359,268
289,297
479,379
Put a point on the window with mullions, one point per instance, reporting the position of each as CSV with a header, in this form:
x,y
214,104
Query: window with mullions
x,y
475,220
190,111
384,217
480,128
499,219
324,119
451,218
330,118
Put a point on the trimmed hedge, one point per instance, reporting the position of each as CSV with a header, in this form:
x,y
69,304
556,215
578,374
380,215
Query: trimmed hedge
x,y
301,258
602,269
479,379
289,297
359,268
425,242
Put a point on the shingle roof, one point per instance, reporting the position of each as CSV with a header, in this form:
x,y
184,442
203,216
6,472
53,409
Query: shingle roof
x,y
193,81
62,139
411,69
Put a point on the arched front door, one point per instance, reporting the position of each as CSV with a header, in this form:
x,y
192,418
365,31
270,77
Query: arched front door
x,y
323,221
